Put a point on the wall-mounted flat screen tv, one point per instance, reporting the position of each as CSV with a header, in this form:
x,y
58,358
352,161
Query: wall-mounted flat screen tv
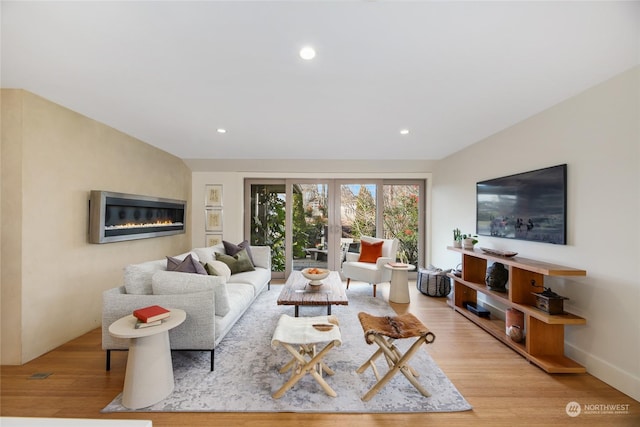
x,y
526,206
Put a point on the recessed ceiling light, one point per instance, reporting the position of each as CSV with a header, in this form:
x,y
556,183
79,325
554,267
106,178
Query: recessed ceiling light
x,y
220,130
307,53
404,131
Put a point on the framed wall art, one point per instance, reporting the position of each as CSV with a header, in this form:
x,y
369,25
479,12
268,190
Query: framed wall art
x,y
212,239
213,220
213,195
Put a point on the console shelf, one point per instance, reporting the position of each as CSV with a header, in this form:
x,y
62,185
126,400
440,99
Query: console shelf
x,y
544,343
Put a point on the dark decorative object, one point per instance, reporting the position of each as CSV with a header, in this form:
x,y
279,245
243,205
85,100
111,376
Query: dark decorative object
x,y
476,309
549,301
497,277
526,206
515,333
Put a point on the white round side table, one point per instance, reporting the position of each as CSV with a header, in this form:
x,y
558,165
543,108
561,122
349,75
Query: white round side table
x,y
149,375
399,290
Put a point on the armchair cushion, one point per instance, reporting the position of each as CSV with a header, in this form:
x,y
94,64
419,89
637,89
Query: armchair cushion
x,y
370,251
174,282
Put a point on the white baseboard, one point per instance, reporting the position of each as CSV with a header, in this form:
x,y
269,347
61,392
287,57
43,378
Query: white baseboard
x,y
626,382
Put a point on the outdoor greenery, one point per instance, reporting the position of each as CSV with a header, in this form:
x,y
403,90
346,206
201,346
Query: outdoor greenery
x,y
268,226
300,228
401,222
364,223
400,214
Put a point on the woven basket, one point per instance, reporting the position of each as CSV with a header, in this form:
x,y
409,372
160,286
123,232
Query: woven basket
x,y
433,282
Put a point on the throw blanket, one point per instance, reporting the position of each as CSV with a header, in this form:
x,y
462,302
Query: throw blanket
x,y
396,327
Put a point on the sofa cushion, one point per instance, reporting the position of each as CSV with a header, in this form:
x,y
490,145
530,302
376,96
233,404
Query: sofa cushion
x,y
208,254
238,263
188,265
137,277
175,282
218,268
240,297
231,249
370,251
256,278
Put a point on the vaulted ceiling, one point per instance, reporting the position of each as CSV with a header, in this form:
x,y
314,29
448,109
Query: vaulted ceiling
x,y
172,73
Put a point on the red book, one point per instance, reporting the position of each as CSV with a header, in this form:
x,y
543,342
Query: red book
x,y
151,313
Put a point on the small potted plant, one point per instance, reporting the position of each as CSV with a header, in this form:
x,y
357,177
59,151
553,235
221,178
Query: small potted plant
x,y
457,238
469,240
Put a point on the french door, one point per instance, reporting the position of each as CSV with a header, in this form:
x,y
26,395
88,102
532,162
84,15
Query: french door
x,y
313,223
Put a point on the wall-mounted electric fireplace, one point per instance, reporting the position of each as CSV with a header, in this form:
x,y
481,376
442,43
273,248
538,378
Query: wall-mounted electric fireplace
x,y
115,217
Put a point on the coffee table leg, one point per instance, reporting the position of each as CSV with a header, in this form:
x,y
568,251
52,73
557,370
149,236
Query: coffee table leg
x,y
329,310
295,311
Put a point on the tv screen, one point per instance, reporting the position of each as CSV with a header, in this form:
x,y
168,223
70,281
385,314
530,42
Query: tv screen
x,y
526,206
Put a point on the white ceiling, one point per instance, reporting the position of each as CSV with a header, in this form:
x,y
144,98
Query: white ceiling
x,y
171,73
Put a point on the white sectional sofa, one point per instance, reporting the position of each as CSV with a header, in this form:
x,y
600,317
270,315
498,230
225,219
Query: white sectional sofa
x,y
213,303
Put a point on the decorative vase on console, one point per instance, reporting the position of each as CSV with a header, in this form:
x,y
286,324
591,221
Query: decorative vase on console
x,y
497,277
468,241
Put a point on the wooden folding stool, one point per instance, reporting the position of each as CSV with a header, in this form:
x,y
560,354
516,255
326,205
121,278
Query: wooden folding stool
x,y
384,331
300,336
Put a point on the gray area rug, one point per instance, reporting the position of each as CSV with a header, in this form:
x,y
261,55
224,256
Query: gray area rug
x,y
246,369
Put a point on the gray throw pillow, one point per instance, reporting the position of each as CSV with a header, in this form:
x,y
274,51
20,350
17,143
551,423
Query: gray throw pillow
x,y
188,265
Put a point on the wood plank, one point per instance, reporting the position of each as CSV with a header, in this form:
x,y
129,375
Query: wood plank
x,y
544,268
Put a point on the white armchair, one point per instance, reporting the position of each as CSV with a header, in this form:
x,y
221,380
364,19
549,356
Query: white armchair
x,y
371,272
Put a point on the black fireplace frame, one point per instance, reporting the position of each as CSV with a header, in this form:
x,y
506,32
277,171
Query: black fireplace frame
x,y
101,201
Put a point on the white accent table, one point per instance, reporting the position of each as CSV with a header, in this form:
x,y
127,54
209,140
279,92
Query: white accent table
x,y
149,375
399,290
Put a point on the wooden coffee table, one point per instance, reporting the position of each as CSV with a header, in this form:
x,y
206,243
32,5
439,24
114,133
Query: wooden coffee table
x,y
297,291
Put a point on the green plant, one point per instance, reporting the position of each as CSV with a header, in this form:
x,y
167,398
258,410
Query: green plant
x,y
471,236
457,235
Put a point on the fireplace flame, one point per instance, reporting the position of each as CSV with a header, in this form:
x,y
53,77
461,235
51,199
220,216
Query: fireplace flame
x,y
158,223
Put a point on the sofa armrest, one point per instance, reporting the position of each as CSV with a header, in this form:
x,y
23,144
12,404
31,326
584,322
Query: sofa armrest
x,y
261,256
197,332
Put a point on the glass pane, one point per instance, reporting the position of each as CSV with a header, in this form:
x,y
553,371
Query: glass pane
x,y
401,219
268,204
310,223
357,216
358,210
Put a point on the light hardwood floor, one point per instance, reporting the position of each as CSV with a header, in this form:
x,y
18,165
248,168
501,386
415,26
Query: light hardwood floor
x,y
502,387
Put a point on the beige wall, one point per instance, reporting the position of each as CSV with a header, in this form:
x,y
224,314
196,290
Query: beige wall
x,y
597,133
52,278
